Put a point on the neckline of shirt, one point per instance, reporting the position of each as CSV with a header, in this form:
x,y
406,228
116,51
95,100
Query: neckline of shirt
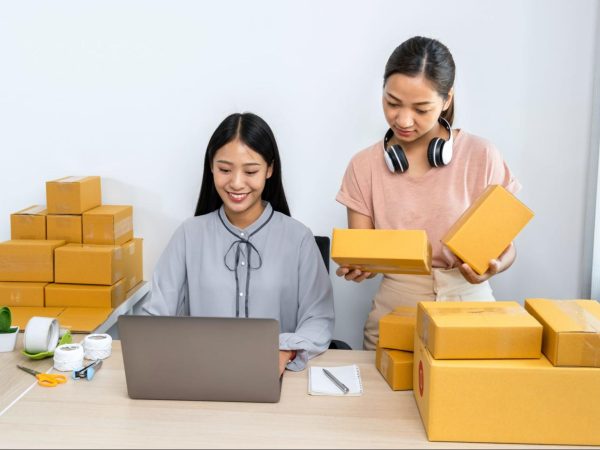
x,y
245,232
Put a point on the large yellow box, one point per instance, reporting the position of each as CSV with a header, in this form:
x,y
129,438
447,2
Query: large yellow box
x,y
571,330
134,262
487,227
22,314
89,264
396,366
83,320
478,330
22,294
397,329
527,401
108,224
383,251
85,295
73,195
65,227
29,223
28,260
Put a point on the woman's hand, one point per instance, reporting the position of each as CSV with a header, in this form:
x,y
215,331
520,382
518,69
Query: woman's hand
x,y
285,356
353,274
503,262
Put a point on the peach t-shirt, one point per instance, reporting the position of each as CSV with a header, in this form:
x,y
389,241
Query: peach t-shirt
x,y
431,202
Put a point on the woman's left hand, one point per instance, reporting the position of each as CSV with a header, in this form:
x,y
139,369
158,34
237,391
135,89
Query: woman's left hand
x,y
503,262
285,356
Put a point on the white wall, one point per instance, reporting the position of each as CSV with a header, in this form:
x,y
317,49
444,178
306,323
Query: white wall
x,y
132,90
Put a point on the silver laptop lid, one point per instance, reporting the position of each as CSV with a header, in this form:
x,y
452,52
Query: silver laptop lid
x,y
201,358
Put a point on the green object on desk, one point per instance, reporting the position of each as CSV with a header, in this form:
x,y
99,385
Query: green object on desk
x,y
5,320
65,339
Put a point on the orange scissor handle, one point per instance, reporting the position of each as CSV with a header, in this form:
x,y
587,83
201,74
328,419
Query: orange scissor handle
x,y
50,380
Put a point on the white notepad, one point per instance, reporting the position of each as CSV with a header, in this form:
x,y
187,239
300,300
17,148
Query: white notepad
x,y
319,384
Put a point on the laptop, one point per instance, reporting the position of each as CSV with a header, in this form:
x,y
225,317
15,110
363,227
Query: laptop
x,y
201,358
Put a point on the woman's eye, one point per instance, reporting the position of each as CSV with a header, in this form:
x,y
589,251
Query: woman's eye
x,y
422,111
392,105
251,173
223,170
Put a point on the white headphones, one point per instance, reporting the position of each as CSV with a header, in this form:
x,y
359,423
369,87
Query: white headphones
x,y
439,152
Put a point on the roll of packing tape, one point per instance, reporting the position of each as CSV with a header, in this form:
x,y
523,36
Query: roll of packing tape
x,y
41,335
68,357
97,346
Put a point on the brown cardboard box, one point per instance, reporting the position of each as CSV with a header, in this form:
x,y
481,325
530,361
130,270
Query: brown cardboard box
x,y
396,366
108,224
487,227
89,264
85,295
22,294
73,195
29,223
22,314
382,251
478,330
397,329
83,320
65,227
571,330
525,401
27,260
134,262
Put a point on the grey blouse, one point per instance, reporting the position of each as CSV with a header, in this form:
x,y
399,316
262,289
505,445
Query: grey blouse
x,y
272,269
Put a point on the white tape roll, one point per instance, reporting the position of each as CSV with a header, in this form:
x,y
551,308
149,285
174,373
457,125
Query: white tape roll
x,y
41,335
68,357
97,346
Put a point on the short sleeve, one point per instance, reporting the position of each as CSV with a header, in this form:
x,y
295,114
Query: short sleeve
x,y
498,172
356,190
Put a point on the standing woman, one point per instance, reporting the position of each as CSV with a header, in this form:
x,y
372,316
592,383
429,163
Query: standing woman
x,y
242,255
422,175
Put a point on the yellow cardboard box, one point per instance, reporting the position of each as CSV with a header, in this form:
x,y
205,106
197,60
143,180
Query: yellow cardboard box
x,y
83,320
397,329
396,366
73,195
65,227
527,401
134,262
487,227
478,330
86,296
383,251
571,330
29,223
22,314
108,224
89,264
28,260
22,294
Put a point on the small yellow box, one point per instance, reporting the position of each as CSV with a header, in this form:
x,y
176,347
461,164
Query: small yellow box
x,y
383,251
478,330
86,296
89,264
397,329
134,262
29,223
22,314
83,320
108,224
73,195
65,227
526,401
22,294
28,260
487,227
571,330
396,367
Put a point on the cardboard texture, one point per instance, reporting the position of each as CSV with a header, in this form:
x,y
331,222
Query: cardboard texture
x,y
29,223
383,251
108,225
478,330
22,294
525,401
396,366
28,260
22,314
487,227
86,296
73,195
571,330
134,262
397,329
89,264
83,320
65,227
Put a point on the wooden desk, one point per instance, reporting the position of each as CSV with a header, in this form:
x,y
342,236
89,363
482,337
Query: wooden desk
x,y
98,413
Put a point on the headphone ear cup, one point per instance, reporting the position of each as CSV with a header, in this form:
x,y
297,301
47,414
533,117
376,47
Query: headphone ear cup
x,y
390,160
434,152
399,158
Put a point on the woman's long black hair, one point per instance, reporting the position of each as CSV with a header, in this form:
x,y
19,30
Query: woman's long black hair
x,y
256,134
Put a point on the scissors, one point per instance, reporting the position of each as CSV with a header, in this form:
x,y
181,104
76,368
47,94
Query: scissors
x,y
45,379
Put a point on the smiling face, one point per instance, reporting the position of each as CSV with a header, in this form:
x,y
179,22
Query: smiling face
x,y
240,175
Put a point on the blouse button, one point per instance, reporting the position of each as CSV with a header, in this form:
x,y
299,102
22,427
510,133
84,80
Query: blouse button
x,y
243,263
241,294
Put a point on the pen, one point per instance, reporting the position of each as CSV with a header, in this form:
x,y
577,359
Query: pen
x,y
337,382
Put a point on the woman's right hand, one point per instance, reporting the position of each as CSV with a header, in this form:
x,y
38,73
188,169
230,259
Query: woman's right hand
x,y
353,274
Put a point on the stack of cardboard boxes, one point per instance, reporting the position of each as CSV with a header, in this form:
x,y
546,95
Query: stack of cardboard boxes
x,y
75,258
